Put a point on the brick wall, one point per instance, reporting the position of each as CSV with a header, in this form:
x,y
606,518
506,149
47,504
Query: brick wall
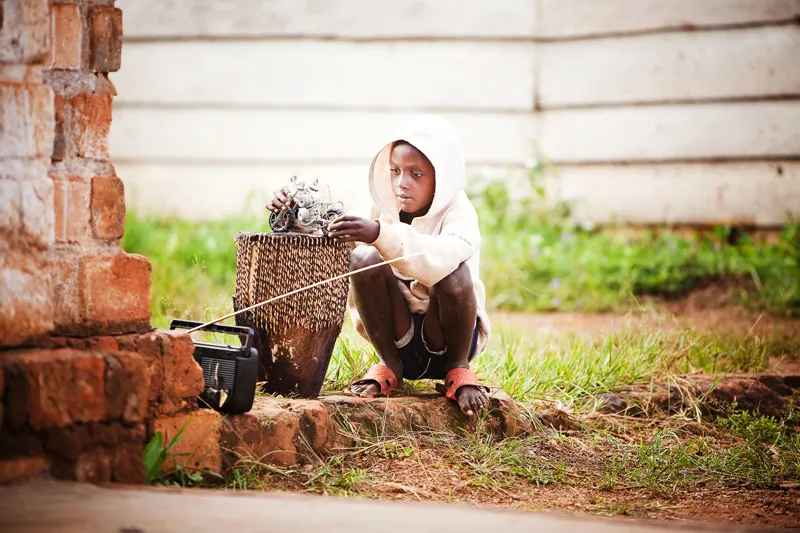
x,y
83,378
97,288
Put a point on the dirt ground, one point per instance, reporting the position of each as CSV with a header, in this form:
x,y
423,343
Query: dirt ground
x,y
427,478
427,475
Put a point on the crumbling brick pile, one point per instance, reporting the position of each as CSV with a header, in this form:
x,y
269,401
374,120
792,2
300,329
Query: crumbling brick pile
x,y
84,381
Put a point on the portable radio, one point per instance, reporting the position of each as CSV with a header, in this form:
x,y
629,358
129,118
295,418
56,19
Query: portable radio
x,y
230,372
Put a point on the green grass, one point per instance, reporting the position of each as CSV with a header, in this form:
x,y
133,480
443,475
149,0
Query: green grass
x,y
532,260
535,259
194,264
573,370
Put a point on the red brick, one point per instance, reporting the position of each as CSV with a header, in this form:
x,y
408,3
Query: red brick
x,y
268,435
66,444
59,141
109,344
27,129
25,213
116,293
37,215
2,386
21,468
106,31
10,212
90,120
150,347
108,208
93,466
315,423
126,387
183,377
78,343
93,344
60,387
24,38
53,342
200,445
66,36
127,343
27,305
127,465
68,308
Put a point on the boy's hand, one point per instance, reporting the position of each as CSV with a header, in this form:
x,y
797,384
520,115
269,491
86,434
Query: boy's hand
x,y
280,201
351,228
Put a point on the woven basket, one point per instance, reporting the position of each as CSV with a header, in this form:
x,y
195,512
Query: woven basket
x,y
295,335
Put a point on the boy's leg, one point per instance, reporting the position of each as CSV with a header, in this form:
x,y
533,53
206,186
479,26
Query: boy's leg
x,y
382,309
449,323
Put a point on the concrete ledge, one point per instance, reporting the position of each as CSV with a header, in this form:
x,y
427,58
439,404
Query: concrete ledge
x,y
762,394
284,432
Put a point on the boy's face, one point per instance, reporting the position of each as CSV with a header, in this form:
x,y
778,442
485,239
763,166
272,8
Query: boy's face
x,y
413,179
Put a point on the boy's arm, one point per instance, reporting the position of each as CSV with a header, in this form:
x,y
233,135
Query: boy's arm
x,y
441,254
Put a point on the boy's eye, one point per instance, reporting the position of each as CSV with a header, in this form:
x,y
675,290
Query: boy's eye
x,y
395,171
416,174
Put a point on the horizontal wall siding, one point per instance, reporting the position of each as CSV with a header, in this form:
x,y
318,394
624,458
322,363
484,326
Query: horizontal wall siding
x,y
754,130
753,194
198,190
653,111
576,18
339,18
299,136
496,76
745,63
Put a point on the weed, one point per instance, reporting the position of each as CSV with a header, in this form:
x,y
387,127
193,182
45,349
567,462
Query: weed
x,y
156,451
334,477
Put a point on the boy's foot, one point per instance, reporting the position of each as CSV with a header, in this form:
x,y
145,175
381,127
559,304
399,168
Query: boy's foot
x,y
380,380
369,388
462,386
471,399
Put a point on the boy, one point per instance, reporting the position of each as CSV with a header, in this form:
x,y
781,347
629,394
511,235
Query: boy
x,y
423,315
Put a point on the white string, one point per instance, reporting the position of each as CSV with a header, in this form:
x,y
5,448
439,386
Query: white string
x,y
317,284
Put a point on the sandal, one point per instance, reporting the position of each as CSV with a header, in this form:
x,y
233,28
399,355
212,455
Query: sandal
x,y
457,378
380,374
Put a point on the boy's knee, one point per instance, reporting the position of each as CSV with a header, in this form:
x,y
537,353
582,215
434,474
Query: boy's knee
x,y
364,256
458,283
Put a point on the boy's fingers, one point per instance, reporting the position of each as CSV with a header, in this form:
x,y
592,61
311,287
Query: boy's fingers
x,y
345,218
341,226
340,232
275,204
343,235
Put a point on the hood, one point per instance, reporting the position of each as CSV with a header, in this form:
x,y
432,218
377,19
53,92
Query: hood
x,y
437,139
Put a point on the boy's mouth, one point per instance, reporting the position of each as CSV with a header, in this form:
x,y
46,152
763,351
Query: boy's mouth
x,y
403,198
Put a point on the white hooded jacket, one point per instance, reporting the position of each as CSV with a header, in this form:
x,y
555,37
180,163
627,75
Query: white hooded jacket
x,y
448,234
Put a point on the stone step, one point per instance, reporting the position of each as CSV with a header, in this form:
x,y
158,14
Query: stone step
x,y
285,432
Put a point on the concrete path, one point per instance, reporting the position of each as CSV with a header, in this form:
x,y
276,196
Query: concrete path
x,y
71,507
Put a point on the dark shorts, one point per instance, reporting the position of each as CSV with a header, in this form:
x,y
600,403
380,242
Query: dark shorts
x,y
418,362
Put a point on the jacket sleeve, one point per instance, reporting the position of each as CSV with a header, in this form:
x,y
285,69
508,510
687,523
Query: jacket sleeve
x,y
440,254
